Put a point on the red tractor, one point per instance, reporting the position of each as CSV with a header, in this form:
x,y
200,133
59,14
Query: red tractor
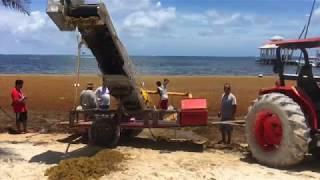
x,y
282,125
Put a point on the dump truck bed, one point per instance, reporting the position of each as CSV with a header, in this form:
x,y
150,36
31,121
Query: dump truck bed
x,y
97,30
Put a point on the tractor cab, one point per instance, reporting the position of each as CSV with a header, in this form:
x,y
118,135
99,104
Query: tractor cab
x,y
307,89
307,84
305,78
282,125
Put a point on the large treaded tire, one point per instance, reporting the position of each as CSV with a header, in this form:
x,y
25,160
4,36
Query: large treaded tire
x,y
295,131
105,132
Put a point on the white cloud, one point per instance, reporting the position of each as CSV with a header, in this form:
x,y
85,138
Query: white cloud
x,y
213,17
233,19
36,21
216,23
158,4
38,34
33,34
20,23
196,18
127,5
316,16
157,18
180,32
152,17
136,18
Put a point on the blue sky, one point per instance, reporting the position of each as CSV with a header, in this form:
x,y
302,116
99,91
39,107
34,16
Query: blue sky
x,y
168,27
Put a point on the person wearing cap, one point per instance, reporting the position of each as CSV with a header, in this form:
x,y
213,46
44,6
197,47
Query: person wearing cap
x,y
88,99
103,96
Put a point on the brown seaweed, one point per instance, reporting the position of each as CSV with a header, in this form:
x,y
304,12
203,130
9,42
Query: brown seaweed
x,y
103,163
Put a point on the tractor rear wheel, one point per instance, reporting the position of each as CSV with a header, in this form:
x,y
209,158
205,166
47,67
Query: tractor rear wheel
x,y
105,132
277,131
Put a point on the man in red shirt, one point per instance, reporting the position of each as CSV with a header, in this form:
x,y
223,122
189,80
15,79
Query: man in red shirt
x,y
19,106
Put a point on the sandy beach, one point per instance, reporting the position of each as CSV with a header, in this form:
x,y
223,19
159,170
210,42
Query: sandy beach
x,y
29,156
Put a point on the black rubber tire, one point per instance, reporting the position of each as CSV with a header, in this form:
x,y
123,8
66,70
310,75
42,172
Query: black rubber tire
x,y
105,132
295,136
130,133
316,153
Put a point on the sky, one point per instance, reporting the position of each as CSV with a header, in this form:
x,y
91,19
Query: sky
x,y
168,27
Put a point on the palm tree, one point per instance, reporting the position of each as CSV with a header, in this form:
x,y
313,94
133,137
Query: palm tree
x,y
19,5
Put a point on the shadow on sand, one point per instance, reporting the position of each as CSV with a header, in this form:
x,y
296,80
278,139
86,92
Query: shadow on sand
x,y
72,139
53,157
6,153
164,145
308,164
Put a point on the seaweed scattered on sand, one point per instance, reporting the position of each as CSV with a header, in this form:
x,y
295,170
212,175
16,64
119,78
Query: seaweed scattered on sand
x,y
82,168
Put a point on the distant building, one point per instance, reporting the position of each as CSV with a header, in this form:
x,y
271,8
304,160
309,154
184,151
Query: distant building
x,y
268,51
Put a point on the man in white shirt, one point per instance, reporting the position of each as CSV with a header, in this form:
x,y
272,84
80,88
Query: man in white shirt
x,y
88,97
103,96
163,93
88,101
227,113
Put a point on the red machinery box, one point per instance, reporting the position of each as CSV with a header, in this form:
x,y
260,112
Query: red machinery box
x,y
194,112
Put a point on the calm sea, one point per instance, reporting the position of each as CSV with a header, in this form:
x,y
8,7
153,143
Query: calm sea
x,y
145,65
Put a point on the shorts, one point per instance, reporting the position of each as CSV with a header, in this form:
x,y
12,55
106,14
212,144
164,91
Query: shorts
x,y
164,104
21,117
226,127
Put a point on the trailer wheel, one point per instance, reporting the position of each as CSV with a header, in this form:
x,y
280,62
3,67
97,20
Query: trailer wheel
x,y
105,132
130,133
277,131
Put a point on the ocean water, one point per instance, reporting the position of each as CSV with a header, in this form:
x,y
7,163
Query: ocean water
x,y
144,65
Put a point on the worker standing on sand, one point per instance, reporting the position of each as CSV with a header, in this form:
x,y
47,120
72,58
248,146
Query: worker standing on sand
x,y
163,93
103,96
88,100
227,113
19,106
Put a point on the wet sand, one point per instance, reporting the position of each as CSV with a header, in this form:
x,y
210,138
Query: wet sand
x,y
29,156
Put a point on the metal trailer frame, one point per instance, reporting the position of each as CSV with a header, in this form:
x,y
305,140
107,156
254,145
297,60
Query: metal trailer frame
x,y
149,119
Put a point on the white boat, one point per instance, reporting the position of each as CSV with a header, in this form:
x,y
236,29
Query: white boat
x,y
314,61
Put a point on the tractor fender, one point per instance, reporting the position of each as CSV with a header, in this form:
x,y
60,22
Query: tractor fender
x,y
301,98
